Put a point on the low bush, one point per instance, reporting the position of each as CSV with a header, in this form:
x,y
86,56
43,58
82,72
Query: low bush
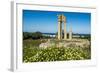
x,y
34,54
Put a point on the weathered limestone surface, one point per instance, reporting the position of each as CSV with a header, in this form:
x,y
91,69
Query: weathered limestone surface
x,y
70,34
83,43
61,21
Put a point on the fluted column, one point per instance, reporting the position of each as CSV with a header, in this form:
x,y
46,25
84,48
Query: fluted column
x,y
70,34
59,27
65,32
59,30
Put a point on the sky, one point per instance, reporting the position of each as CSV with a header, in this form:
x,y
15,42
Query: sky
x,y
47,21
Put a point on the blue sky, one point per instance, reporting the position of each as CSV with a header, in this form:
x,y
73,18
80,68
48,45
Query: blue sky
x,y
46,21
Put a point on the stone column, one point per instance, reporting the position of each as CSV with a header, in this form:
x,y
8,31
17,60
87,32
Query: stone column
x,y
60,30
59,27
70,34
65,32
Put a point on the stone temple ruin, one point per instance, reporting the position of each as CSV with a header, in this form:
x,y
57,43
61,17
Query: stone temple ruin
x,y
67,39
61,21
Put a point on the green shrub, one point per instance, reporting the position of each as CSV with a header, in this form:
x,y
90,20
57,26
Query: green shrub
x,y
55,54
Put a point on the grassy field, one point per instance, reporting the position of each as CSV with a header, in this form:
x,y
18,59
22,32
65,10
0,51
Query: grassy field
x,y
32,52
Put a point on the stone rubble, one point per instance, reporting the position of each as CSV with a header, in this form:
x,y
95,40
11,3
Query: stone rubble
x,y
73,43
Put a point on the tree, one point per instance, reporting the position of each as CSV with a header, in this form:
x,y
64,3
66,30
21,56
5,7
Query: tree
x,y
27,35
36,35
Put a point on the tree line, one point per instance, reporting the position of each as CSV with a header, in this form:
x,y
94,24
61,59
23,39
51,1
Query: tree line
x,y
34,35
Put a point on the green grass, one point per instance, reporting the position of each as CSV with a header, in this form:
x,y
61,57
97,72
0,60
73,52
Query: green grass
x,y
32,43
32,53
55,54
